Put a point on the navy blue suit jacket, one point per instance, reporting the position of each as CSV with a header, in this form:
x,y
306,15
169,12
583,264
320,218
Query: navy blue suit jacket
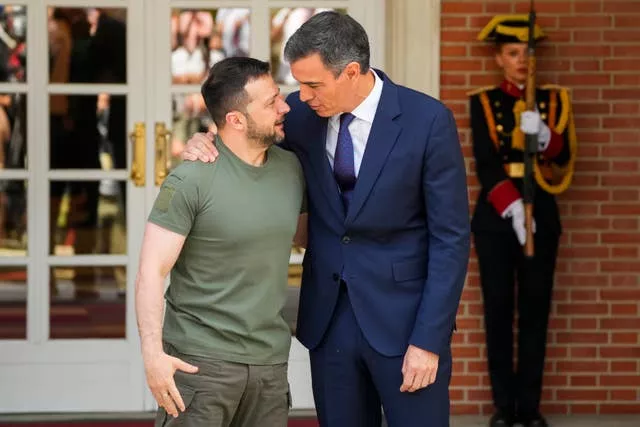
x,y
403,246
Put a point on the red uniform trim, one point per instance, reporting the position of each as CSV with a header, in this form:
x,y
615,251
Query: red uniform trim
x,y
502,195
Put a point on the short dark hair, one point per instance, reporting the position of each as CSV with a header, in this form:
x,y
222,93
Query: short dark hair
x,y
336,37
223,90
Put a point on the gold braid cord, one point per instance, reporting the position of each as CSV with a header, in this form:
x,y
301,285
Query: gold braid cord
x,y
565,119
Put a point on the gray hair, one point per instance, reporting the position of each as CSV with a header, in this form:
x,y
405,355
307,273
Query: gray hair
x,y
337,38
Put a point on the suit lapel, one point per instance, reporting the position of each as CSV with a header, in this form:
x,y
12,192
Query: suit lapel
x,y
321,166
383,136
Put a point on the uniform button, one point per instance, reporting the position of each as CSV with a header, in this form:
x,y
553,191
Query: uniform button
x,y
335,277
346,240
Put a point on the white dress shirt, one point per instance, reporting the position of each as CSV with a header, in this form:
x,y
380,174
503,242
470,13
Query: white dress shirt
x,y
359,128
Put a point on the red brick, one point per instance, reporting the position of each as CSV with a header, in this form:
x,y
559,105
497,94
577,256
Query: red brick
x,y
481,395
582,366
621,36
554,7
583,324
625,165
620,380
499,7
624,366
625,252
461,7
621,323
583,380
591,309
580,21
622,266
624,352
624,280
453,21
582,337
631,108
621,209
629,6
583,352
625,337
625,21
465,352
465,380
453,51
584,6
612,408
465,408
582,394
630,395
621,64
626,50
587,36
457,35
586,65
583,408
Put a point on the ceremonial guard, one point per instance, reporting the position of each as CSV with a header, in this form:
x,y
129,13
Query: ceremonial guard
x,y
501,127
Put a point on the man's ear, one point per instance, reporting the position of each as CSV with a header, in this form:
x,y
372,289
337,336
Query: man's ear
x,y
235,119
352,70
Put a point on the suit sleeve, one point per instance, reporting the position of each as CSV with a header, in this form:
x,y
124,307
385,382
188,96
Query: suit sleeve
x,y
489,170
447,208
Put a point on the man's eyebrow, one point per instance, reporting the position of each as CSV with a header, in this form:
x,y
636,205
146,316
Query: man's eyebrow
x,y
274,96
310,83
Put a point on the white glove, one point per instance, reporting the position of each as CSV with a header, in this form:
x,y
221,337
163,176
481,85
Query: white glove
x,y
531,123
515,211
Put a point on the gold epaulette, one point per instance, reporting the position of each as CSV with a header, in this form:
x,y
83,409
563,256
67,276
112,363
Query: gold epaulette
x,y
550,86
480,90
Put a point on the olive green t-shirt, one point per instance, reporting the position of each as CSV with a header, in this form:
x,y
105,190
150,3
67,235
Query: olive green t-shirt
x,y
228,286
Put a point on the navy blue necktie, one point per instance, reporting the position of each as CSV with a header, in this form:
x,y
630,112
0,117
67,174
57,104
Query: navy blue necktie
x,y
343,163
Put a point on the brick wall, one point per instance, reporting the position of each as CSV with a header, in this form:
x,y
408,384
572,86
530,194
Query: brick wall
x,y
593,357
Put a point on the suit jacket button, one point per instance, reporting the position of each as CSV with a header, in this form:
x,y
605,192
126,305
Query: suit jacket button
x,y
346,240
335,277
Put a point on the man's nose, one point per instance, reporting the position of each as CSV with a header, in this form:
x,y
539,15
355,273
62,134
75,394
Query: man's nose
x,y
305,94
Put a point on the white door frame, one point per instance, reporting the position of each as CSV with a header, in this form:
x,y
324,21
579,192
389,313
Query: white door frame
x,y
64,375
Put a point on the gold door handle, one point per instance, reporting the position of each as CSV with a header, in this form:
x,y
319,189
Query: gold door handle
x,y
138,139
162,147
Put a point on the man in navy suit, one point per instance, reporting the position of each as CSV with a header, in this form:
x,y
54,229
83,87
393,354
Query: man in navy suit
x,y
388,240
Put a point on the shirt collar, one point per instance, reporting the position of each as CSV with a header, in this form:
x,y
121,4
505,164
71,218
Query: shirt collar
x,y
366,110
512,89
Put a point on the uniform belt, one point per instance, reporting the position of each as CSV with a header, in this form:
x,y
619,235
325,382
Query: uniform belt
x,y
514,170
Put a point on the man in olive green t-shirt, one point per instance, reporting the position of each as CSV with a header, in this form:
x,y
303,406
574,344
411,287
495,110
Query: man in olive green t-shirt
x,y
224,230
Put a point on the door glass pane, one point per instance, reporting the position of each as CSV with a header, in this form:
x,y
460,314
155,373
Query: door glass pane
x,y
87,130
87,217
284,22
87,302
200,38
13,45
13,303
13,218
13,130
87,45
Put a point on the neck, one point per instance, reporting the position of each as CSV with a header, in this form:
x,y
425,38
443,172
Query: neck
x,y
520,85
249,151
364,86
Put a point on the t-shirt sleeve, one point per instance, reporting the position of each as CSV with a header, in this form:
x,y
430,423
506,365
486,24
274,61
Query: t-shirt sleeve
x,y
175,208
